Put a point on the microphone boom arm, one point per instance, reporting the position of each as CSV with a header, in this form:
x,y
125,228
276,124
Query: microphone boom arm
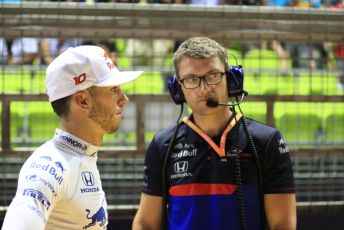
x,y
235,101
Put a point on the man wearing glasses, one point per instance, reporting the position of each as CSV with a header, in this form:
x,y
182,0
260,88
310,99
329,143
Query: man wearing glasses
x,y
217,169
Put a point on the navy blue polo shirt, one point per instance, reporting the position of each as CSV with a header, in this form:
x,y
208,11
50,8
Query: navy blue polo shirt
x,y
202,189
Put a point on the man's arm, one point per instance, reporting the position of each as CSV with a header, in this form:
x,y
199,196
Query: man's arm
x,y
280,211
149,213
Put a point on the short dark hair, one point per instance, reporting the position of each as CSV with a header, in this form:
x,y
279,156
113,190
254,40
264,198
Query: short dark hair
x,y
199,47
61,106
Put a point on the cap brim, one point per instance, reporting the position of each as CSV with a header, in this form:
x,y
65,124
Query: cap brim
x,y
119,78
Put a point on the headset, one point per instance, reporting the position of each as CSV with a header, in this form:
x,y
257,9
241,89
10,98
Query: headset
x,y
235,84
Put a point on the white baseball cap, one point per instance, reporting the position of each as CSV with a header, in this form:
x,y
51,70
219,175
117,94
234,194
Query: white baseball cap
x,y
81,67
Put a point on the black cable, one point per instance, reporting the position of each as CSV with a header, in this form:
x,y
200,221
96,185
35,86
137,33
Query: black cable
x,y
164,172
259,169
238,176
236,61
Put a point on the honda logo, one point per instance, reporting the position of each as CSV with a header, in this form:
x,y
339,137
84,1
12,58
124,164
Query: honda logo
x,y
181,166
87,178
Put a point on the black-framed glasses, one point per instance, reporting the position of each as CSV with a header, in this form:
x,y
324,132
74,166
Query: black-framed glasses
x,y
210,79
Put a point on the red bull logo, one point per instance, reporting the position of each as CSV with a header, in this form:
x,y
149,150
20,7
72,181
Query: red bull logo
x,y
50,169
97,218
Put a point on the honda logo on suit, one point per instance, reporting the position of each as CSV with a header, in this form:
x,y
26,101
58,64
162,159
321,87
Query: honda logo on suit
x,y
181,166
87,178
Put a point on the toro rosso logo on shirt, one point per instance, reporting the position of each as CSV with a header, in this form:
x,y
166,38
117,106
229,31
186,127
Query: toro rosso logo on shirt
x,y
73,142
282,146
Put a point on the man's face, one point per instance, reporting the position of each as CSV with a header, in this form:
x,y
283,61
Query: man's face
x,y
197,98
107,107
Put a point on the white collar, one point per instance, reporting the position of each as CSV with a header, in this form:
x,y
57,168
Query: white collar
x,y
76,144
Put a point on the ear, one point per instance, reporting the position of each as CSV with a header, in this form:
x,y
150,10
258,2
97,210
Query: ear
x,y
82,99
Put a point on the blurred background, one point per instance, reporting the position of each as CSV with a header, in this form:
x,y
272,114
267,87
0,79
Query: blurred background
x,y
292,53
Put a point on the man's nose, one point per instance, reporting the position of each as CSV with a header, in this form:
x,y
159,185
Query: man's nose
x,y
204,84
123,100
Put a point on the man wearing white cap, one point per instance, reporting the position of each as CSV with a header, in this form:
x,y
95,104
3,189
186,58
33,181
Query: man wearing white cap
x,y
59,185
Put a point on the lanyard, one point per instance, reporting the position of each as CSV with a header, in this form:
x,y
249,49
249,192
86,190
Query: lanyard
x,y
220,150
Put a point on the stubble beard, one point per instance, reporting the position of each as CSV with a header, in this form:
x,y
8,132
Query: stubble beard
x,y
103,116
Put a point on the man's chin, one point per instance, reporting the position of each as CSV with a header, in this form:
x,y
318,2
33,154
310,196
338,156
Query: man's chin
x,y
112,131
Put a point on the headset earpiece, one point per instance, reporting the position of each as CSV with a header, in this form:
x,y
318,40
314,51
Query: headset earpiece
x,y
175,90
235,81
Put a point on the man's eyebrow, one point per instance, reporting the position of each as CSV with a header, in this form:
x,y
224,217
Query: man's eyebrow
x,y
193,75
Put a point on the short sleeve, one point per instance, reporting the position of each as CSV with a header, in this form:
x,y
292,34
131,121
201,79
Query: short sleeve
x,y
152,177
277,166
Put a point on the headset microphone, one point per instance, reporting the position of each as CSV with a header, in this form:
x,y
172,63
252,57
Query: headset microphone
x,y
214,104
236,101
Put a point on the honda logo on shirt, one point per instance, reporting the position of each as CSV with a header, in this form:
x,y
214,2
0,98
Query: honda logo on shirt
x,y
181,166
87,178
